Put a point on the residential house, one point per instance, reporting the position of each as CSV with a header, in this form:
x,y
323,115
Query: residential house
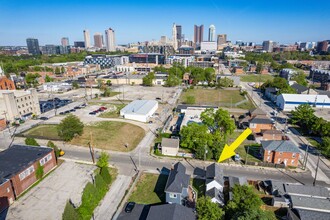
x,y
177,185
274,135
310,203
6,84
303,214
300,89
259,123
256,111
18,165
214,184
170,146
232,181
238,70
280,152
244,120
159,212
280,201
3,123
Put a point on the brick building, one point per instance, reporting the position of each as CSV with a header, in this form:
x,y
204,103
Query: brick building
x,y
259,123
18,165
280,152
274,135
3,123
6,84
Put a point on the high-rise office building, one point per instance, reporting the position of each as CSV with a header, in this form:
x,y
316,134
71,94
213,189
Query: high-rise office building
x,y
98,40
33,46
163,40
87,39
110,39
212,35
65,41
222,39
80,44
322,46
174,37
268,45
198,34
179,35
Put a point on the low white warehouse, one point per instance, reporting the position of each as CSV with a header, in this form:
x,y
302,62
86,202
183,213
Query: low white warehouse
x,y
139,110
288,102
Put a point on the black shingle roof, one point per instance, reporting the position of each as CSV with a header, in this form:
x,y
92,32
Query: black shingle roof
x,y
178,179
214,171
261,120
299,88
18,157
170,212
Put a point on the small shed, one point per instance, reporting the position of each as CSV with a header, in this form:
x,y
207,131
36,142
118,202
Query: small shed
x,y
170,146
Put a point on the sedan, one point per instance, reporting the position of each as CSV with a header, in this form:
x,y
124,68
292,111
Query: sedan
x,y
129,207
92,113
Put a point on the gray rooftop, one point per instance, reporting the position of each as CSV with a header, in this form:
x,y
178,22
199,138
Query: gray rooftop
x,y
170,212
314,191
170,142
18,157
273,131
310,203
311,215
299,88
140,107
233,180
280,146
214,171
139,212
257,111
212,193
261,119
178,179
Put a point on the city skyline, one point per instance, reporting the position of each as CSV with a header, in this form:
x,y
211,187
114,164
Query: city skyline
x,y
299,20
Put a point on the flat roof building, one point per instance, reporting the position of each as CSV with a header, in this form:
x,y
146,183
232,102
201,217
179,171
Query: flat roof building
x,y
139,110
288,102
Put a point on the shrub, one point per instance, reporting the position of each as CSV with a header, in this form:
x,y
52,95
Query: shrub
x,y
39,171
106,175
89,201
69,127
101,186
56,150
103,160
31,141
70,213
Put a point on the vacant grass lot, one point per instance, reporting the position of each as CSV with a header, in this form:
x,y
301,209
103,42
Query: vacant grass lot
x,y
149,189
256,78
108,135
43,132
114,113
217,97
252,154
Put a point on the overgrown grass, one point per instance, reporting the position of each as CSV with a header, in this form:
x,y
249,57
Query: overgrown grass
x,y
254,150
256,78
149,189
43,131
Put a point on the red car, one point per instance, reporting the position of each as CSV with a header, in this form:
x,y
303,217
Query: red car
x,y
103,108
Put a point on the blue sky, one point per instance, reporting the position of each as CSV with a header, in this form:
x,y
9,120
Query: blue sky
x,y
285,21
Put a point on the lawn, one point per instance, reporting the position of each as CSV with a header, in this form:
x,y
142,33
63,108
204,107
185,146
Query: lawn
x,y
253,152
108,135
256,78
112,112
149,189
218,97
43,132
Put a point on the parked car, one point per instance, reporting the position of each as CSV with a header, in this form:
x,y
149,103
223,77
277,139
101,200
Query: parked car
x,y
100,110
62,113
92,113
44,118
157,98
103,108
67,112
72,110
129,207
77,107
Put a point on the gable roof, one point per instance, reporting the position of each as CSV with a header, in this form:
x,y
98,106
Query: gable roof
x,y
261,119
170,142
214,171
19,157
257,111
178,179
139,212
212,193
304,190
273,131
310,203
299,88
280,146
170,212
309,214
237,180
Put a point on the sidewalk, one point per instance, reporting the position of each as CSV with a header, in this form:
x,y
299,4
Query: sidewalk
x,y
112,199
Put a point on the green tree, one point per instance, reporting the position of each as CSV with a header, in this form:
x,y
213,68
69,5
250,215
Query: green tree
x,y
32,79
75,85
109,83
225,82
209,74
48,79
62,69
107,92
69,127
39,171
89,201
31,141
259,68
57,70
325,146
103,160
70,213
104,171
300,78
172,80
207,210
190,99
56,149
244,199
148,79
303,115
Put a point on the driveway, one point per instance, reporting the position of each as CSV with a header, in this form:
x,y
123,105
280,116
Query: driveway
x,y
47,200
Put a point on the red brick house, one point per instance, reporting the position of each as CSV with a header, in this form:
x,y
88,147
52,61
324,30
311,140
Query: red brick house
x,y
274,135
6,84
3,123
280,152
18,165
259,123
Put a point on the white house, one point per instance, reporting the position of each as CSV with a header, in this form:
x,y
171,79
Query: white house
x,y
288,102
214,184
139,110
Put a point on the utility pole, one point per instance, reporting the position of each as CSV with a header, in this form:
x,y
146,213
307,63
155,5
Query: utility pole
x,y
317,168
248,149
91,147
306,156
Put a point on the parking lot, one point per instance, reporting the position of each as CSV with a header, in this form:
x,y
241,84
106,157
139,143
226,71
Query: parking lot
x,y
47,200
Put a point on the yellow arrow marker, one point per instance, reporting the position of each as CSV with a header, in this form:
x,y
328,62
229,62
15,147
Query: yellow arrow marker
x,y
229,151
